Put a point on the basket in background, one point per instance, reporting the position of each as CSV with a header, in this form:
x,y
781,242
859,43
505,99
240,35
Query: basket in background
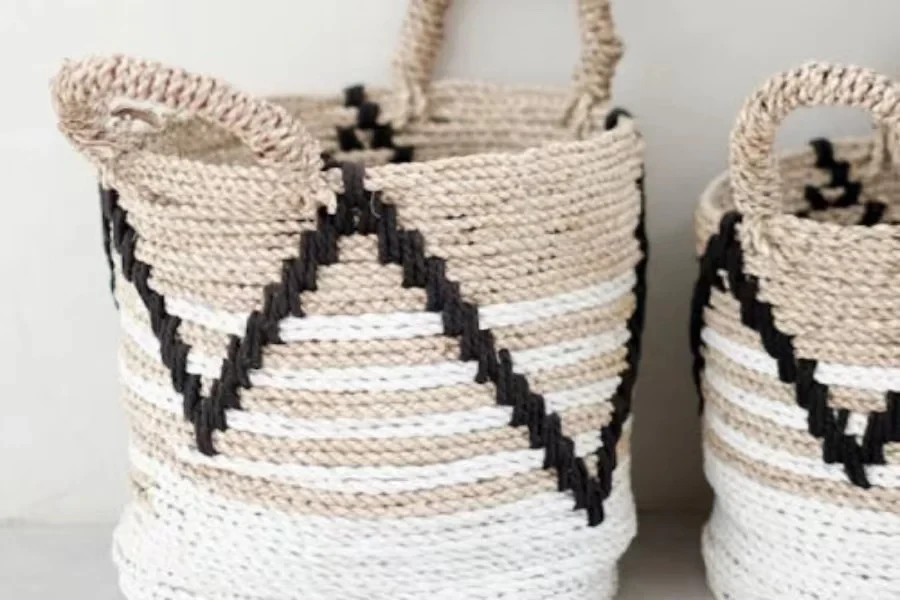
x,y
796,334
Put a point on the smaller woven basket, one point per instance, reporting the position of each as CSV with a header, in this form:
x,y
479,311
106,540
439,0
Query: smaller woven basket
x,y
796,333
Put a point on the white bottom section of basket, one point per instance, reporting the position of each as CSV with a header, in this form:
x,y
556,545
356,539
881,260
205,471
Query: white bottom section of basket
x,y
186,544
41,561
765,544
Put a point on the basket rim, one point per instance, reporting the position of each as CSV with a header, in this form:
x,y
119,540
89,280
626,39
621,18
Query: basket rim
x,y
142,160
719,187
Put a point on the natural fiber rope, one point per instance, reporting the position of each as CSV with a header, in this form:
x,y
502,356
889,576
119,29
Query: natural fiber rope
x,y
795,329
84,93
376,380
754,175
423,35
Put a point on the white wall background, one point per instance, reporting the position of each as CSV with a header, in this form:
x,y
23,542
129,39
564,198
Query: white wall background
x,y
689,64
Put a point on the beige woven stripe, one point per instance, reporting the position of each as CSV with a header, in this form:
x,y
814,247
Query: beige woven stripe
x,y
501,249
421,350
516,337
413,351
588,371
859,328
854,349
424,350
548,280
501,209
368,405
293,499
723,315
853,399
841,493
554,330
796,442
520,253
333,405
386,404
546,189
527,285
169,430
376,288
314,405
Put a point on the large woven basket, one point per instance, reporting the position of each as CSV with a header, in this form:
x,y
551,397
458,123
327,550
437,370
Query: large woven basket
x,y
796,329
348,378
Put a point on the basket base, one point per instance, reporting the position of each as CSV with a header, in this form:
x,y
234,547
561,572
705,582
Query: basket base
x,y
765,544
181,542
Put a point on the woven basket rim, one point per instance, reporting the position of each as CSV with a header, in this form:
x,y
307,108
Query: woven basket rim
x,y
718,190
522,95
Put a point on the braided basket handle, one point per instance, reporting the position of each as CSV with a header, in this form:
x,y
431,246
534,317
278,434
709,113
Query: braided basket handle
x,y
423,35
755,179
85,93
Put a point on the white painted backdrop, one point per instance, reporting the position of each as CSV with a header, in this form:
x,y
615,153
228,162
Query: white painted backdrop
x,y
689,65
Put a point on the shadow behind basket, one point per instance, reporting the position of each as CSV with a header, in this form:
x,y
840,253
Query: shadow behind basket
x,y
385,353
797,346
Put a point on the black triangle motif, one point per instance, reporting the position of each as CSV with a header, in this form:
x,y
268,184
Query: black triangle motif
x,y
724,253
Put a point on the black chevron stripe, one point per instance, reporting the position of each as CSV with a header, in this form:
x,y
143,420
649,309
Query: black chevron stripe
x,y
873,210
367,120
724,253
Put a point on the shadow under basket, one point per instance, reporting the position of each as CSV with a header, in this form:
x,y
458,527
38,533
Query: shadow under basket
x,y
796,353
375,346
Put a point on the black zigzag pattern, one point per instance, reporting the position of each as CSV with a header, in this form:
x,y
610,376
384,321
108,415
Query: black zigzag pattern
x,y
724,254
382,134
360,212
873,210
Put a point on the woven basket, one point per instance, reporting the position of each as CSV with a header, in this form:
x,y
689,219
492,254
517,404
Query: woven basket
x,y
797,348
348,378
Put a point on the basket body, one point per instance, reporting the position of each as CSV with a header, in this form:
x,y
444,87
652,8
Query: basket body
x,y
796,345
403,373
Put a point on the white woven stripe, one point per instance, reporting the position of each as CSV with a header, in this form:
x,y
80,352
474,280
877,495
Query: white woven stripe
x,y
866,378
781,414
388,479
765,543
879,475
591,584
431,424
475,551
391,378
408,324
331,533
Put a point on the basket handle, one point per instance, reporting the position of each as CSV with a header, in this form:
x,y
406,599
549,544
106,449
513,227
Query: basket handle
x,y
423,35
85,92
755,179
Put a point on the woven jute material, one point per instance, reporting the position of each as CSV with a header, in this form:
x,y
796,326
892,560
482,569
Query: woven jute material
x,y
379,345
796,334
